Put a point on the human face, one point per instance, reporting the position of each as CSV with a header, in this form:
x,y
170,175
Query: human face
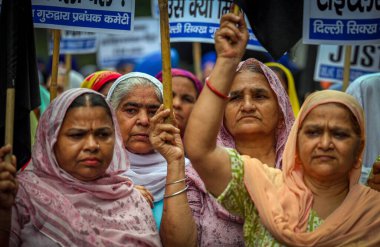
x,y
328,146
252,108
85,142
133,114
184,97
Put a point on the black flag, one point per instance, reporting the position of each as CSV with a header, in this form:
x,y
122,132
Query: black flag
x,y
277,24
18,68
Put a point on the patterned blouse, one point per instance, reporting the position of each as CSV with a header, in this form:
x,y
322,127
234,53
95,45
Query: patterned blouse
x,y
236,199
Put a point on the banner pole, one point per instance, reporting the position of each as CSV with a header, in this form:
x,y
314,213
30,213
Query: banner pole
x,y
166,58
347,65
54,72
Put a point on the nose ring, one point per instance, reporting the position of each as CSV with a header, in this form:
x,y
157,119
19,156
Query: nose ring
x,y
98,146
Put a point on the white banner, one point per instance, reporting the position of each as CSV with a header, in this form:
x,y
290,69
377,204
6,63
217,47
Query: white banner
x,y
341,22
143,40
87,15
330,62
75,42
197,21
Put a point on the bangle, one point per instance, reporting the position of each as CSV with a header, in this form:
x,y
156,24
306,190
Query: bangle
x,y
177,181
215,91
178,192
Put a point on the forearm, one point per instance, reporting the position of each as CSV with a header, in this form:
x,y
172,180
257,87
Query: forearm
x,y
177,225
211,162
5,226
206,117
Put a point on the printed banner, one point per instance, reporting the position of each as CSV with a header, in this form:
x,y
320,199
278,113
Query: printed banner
x,y
330,62
88,16
341,22
75,42
197,21
143,40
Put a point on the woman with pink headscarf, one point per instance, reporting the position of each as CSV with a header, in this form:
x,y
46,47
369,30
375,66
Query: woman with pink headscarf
x,y
73,194
256,93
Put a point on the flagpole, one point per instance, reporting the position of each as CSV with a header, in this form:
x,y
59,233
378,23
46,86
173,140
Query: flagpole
x,y
166,58
54,72
9,118
347,65
197,51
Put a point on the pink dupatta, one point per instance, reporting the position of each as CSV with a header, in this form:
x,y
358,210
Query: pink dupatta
x,y
104,212
284,201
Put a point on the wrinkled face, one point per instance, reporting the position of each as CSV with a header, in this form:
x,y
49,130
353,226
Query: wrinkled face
x,y
184,97
252,108
133,114
85,142
328,146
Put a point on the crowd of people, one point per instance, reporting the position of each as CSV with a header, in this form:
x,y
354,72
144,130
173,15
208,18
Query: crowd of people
x,y
242,164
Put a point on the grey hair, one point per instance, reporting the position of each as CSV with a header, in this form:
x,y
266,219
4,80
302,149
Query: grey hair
x,y
126,86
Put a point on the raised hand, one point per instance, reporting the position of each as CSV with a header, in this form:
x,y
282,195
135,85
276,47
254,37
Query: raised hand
x,y
232,37
8,182
165,137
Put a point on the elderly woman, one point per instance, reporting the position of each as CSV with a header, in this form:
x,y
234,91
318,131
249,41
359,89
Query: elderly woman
x,y
100,81
186,89
73,194
321,163
136,98
366,89
256,91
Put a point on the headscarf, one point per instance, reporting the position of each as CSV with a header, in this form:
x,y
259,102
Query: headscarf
x,y
187,74
148,170
284,201
366,90
292,92
225,139
103,212
156,83
98,79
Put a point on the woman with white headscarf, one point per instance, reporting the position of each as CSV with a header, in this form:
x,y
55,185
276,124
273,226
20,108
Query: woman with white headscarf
x,y
136,97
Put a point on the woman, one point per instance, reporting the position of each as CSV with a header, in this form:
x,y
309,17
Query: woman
x,y
366,90
136,98
186,88
73,194
287,80
317,200
257,84
100,81
285,203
